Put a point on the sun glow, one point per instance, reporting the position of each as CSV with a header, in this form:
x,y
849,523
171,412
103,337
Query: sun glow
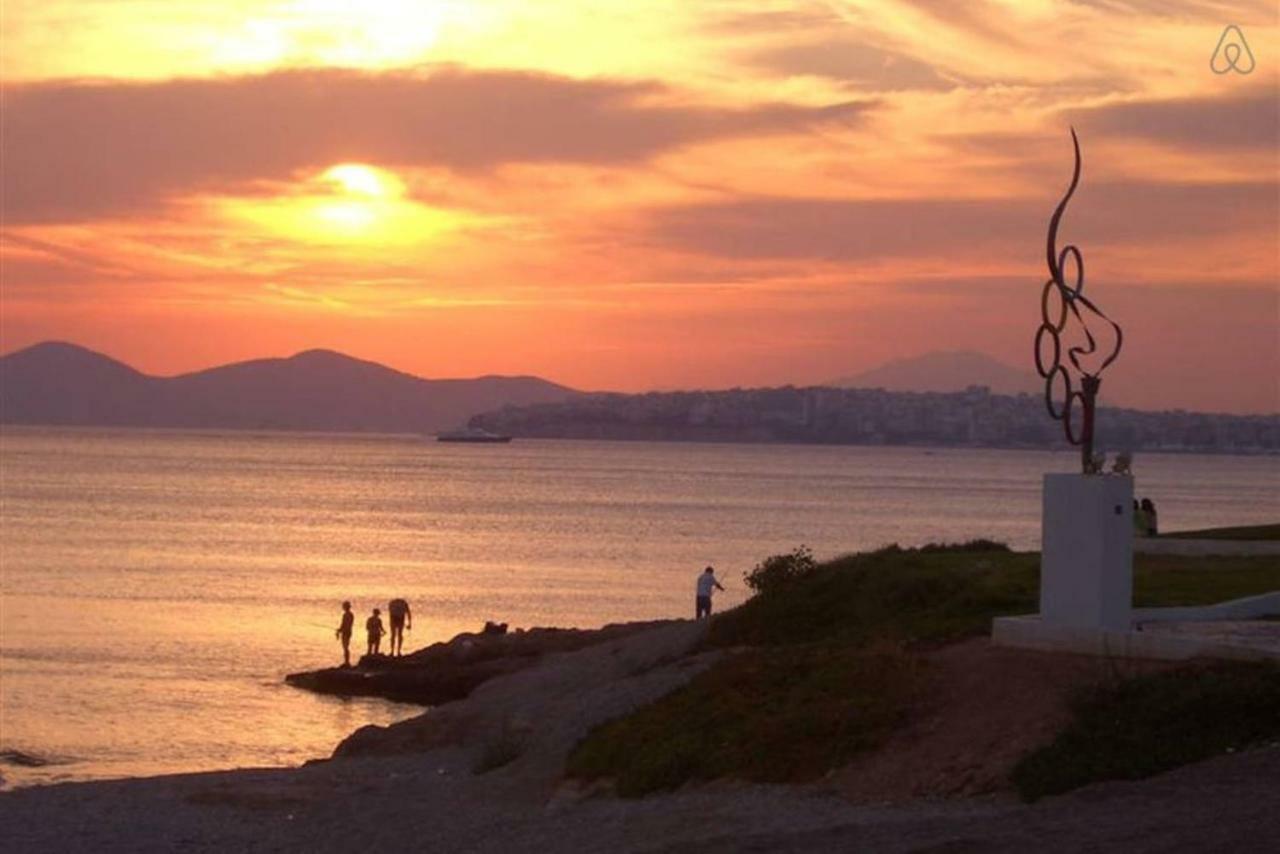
x,y
345,203
370,198
360,180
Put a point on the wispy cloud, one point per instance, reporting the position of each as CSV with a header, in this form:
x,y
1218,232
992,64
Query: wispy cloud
x,y
863,229
1247,120
857,64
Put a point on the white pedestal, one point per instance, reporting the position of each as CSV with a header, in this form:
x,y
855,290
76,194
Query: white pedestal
x,y
1086,554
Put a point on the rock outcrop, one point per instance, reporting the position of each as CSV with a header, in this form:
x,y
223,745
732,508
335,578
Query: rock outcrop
x,y
444,672
521,726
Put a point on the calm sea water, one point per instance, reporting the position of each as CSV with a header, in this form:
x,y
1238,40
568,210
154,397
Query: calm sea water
x,y
157,585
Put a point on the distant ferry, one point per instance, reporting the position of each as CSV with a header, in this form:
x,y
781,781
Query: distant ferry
x,y
472,434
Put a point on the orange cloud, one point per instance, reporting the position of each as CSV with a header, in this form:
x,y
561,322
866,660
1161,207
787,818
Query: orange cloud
x,y
82,150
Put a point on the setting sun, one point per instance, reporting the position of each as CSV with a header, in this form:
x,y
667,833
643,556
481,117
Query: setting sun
x,y
360,180
344,204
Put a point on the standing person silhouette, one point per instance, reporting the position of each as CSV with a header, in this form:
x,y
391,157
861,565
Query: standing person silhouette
x,y
1153,523
1140,522
398,611
373,626
706,584
343,633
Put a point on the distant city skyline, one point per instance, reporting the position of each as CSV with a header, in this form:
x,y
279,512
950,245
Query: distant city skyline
x,y
657,194
974,417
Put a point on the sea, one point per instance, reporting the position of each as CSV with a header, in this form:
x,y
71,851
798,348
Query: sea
x,y
156,586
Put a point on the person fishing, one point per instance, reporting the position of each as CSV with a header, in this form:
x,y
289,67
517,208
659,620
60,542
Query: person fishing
x,y
343,633
373,627
398,611
706,584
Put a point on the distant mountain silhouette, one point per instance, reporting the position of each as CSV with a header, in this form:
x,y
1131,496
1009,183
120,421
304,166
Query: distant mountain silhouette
x,y
58,383
953,370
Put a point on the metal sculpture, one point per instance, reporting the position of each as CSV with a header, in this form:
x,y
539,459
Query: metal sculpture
x,y
1071,302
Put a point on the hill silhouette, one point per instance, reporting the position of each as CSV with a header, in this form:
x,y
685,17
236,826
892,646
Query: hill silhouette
x,y
953,370
58,383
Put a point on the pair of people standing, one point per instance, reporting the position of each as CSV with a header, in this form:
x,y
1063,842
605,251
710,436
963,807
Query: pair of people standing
x,y
401,618
1145,521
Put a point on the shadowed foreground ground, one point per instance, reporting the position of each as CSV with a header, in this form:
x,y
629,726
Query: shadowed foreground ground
x,y
1230,803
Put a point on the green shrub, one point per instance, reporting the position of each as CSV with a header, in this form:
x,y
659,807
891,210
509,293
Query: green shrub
x,y
893,593
775,572
1134,728
979,545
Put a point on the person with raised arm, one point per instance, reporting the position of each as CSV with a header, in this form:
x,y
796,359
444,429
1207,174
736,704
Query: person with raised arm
x,y
707,583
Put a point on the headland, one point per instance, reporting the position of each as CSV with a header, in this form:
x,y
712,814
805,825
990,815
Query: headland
x,y
852,704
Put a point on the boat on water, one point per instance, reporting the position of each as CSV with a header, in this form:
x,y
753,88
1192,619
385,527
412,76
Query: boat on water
x,y
472,434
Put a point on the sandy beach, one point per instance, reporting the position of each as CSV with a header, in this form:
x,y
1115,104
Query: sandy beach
x,y
421,784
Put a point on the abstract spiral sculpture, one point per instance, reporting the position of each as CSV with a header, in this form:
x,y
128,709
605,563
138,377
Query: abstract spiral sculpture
x,y
1055,316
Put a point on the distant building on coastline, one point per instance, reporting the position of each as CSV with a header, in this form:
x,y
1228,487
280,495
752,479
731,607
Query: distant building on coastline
x,y
974,417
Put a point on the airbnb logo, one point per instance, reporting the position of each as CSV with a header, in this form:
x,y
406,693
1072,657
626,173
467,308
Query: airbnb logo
x,y
1231,50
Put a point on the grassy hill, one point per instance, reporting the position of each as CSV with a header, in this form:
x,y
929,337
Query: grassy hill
x,y
828,660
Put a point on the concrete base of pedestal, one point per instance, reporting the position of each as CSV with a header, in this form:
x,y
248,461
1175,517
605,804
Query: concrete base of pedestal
x,y
1086,589
1086,555
1161,633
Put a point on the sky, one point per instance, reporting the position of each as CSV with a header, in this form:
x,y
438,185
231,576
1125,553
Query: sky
x,y
649,194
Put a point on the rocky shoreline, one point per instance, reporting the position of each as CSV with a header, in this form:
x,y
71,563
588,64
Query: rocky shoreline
x,y
450,670
485,774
